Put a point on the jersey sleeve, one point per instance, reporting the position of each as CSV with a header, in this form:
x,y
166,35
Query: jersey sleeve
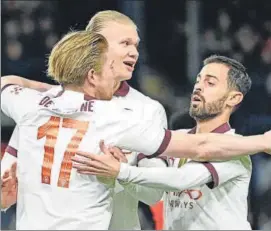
x,y
139,130
10,155
17,101
228,170
169,179
142,159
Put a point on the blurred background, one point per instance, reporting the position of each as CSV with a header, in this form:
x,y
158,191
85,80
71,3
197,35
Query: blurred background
x,y
176,36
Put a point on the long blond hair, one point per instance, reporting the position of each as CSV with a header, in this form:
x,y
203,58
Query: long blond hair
x,y
74,55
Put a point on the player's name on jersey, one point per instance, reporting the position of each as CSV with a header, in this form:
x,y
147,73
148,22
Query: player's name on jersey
x,y
86,106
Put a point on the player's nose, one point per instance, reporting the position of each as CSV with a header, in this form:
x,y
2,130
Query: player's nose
x,y
133,53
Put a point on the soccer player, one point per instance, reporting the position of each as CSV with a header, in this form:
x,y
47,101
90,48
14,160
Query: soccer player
x,y
124,40
50,130
121,34
208,195
87,69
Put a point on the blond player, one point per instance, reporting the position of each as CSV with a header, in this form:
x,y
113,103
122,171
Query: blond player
x,y
49,171
121,34
57,127
124,40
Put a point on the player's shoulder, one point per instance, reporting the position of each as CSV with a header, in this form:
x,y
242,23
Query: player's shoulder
x,y
26,97
137,95
116,109
19,91
149,103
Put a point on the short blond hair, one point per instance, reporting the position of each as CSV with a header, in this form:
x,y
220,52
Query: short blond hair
x,y
74,55
100,19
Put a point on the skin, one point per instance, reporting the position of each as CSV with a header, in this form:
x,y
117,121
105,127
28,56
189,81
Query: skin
x,y
119,72
123,41
212,103
9,186
121,58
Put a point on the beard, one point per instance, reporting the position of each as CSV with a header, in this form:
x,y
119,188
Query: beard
x,y
206,111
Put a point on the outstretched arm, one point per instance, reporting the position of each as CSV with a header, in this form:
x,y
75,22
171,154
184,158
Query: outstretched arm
x,y
191,175
23,82
143,193
216,146
168,179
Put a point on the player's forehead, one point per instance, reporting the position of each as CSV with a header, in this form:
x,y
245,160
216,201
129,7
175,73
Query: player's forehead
x,y
217,71
117,31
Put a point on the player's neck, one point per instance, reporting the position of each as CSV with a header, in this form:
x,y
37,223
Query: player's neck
x,y
207,126
117,86
81,89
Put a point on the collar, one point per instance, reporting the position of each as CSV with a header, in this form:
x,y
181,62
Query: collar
x,y
220,129
123,89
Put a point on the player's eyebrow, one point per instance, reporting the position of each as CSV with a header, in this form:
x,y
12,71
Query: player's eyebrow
x,y
209,76
212,76
132,41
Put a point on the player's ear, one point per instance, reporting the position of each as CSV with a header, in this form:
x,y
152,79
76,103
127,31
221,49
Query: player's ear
x,y
91,77
234,98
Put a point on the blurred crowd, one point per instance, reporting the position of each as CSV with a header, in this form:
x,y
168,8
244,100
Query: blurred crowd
x,y
237,29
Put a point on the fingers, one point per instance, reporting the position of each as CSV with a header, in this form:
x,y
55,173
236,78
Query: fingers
x,y
6,182
118,154
120,157
103,148
6,174
94,172
80,160
13,170
116,150
88,170
88,155
90,164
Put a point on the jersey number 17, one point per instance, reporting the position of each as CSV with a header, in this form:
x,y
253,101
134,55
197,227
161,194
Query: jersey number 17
x,y
50,130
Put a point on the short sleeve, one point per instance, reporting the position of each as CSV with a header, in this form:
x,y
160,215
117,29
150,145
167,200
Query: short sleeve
x,y
161,117
140,130
17,101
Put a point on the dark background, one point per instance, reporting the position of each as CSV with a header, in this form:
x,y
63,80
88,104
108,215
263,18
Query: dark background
x,y
176,36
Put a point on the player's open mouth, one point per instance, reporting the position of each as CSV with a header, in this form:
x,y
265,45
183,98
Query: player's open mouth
x,y
130,65
196,98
